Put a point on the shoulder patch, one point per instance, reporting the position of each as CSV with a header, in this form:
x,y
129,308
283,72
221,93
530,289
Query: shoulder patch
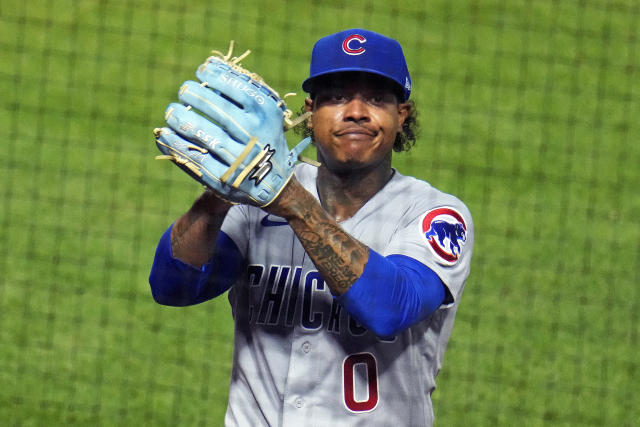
x,y
445,233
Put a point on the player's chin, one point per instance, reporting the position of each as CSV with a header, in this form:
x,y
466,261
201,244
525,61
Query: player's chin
x,y
353,156
357,141
358,151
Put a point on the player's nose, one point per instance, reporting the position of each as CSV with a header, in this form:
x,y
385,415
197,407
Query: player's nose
x,y
356,109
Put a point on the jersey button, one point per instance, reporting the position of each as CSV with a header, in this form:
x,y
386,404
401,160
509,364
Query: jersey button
x,y
299,403
306,347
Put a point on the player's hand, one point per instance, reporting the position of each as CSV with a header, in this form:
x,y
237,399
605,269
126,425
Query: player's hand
x,y
228,133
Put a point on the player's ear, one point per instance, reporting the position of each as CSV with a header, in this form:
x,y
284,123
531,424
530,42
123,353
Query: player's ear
x,y
404,111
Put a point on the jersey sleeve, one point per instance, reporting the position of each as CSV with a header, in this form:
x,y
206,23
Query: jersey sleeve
x,y
393,293
176,283
441,236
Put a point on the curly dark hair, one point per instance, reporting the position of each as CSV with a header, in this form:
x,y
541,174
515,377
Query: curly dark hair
x,y
404,140
407,138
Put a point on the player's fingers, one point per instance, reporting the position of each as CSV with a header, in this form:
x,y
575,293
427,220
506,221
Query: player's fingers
x,y
193,127
232,117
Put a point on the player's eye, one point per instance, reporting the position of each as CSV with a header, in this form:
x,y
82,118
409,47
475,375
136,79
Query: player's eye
x,y
334,96
377,98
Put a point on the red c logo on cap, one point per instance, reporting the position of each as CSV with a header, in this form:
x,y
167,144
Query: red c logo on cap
x,y
348,41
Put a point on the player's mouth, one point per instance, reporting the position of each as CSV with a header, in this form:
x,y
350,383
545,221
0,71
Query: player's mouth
x,y
356,132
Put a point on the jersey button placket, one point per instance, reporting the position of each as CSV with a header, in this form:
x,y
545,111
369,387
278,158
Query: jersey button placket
x,y
306,347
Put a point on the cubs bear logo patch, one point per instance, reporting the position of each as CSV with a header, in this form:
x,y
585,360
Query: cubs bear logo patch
x,y
445,233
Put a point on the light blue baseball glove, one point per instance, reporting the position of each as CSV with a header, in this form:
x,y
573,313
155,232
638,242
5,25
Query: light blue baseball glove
x,y
229,132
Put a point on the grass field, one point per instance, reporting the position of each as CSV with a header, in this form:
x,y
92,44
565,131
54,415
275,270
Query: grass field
x,y
527,114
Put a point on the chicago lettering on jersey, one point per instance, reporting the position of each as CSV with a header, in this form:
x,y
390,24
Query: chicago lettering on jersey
x,y
281,295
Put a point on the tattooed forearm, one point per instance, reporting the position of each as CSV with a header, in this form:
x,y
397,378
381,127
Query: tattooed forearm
x,y
180,229
339,257
194,233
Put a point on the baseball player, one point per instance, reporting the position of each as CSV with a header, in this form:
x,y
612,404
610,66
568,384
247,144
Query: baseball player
x,y
345,285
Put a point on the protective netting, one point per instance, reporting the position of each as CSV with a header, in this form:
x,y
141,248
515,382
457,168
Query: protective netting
x,y
528,111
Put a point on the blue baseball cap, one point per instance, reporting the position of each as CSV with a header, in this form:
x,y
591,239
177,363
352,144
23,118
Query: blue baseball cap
x,y
359,50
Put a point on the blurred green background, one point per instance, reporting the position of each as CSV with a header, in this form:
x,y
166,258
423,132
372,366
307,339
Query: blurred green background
x,y
529,113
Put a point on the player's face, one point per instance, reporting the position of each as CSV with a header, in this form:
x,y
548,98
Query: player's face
x,y
356,117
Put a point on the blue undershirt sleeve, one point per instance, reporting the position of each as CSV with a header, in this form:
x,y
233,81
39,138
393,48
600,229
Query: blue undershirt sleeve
x,y
393,293
176,283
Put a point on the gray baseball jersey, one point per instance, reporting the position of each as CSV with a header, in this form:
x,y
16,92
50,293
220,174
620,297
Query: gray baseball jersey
x,y
299,358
